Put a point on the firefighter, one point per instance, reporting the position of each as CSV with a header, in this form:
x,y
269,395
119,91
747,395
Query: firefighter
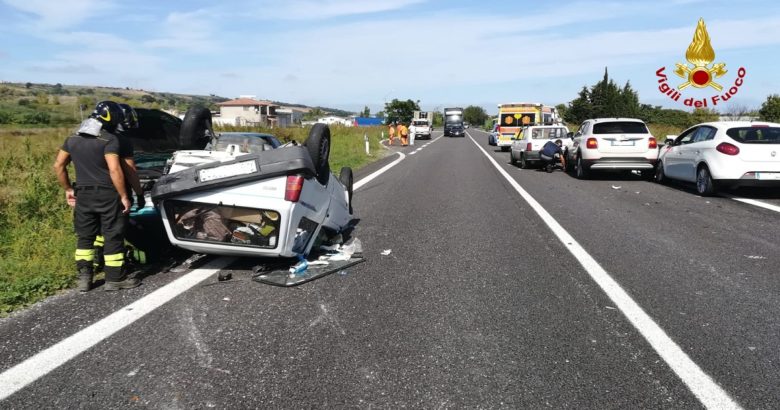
x,y
101,200
126,160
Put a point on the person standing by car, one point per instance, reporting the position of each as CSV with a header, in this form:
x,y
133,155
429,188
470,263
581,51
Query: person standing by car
x,y
101,200
129,122
551,153
391,133
127,161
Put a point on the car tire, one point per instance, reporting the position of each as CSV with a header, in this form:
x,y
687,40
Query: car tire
x,y
512,159
523,162
580,171
705,186
318,145
346,179
195,131
660,176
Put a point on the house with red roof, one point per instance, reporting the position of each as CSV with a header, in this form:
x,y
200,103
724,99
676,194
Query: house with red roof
x,y
246,111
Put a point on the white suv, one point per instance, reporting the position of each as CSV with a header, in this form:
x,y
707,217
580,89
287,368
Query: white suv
x,y
612,144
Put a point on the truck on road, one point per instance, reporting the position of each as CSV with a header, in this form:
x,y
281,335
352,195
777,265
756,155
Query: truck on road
x,y
422,125
453,122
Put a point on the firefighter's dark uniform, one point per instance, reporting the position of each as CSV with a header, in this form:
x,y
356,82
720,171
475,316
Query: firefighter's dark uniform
x,y
98,205
125,151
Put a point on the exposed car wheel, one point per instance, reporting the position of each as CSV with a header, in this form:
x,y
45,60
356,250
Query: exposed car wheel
x,y
318,145
580,170
659,176
196,129
345,176
704,184
569,166
523,162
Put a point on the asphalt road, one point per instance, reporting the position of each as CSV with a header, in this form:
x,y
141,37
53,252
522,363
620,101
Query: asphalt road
x,y
479,304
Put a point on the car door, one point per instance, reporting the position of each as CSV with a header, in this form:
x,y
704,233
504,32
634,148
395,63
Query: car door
x,y
673,160
690,153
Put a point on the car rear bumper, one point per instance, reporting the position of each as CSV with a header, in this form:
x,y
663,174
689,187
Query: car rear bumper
x,y
620,163
753,179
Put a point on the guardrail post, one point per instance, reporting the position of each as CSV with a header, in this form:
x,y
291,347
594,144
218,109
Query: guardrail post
x,y
365,138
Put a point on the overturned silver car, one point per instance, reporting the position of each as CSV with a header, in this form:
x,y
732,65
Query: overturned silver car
x,y
248,195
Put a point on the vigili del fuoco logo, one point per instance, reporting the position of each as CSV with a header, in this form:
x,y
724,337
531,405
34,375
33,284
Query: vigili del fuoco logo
x,y
700,73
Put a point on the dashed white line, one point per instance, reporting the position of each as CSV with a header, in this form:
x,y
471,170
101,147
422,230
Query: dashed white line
x,y
700,384
45,361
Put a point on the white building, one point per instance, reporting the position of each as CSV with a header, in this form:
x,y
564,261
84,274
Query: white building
x,y
247,112
330,120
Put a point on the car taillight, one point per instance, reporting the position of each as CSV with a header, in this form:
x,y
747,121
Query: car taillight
x,y
591,143
498,130
652,143
292,192
529,147
727,148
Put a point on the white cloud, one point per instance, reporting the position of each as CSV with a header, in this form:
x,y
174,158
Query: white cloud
x,y
52,15
321,9
193,32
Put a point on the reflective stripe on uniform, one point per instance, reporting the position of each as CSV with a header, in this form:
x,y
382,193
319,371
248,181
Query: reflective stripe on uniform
x,y
85,254
114,260
138,255
98,240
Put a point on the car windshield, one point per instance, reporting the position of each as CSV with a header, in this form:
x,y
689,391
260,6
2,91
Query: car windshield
x,y
245,142
418,123
755,135
548,133
620,127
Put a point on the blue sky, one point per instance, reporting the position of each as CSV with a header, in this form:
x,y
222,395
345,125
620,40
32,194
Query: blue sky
x,y
351,53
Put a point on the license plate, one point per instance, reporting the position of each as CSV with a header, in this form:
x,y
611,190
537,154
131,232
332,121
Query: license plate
x,y
622,143
768,175
225,171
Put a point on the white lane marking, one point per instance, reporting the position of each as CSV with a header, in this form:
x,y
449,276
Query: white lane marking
x,y
30,370
700,384
378,172
754,202
45,361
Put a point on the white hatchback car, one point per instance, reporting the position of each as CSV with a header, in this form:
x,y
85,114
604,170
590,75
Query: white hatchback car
x,y
612,144
725,154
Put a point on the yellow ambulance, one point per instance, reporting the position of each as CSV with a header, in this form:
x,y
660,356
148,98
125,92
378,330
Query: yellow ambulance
x,y
513,116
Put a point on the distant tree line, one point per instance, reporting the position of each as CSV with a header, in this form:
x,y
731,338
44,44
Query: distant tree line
x,y
607,99
55,105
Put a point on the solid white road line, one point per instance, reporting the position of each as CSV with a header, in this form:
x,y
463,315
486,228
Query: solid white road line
x,y
45,361
380,171
700,384
26,372
754,202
